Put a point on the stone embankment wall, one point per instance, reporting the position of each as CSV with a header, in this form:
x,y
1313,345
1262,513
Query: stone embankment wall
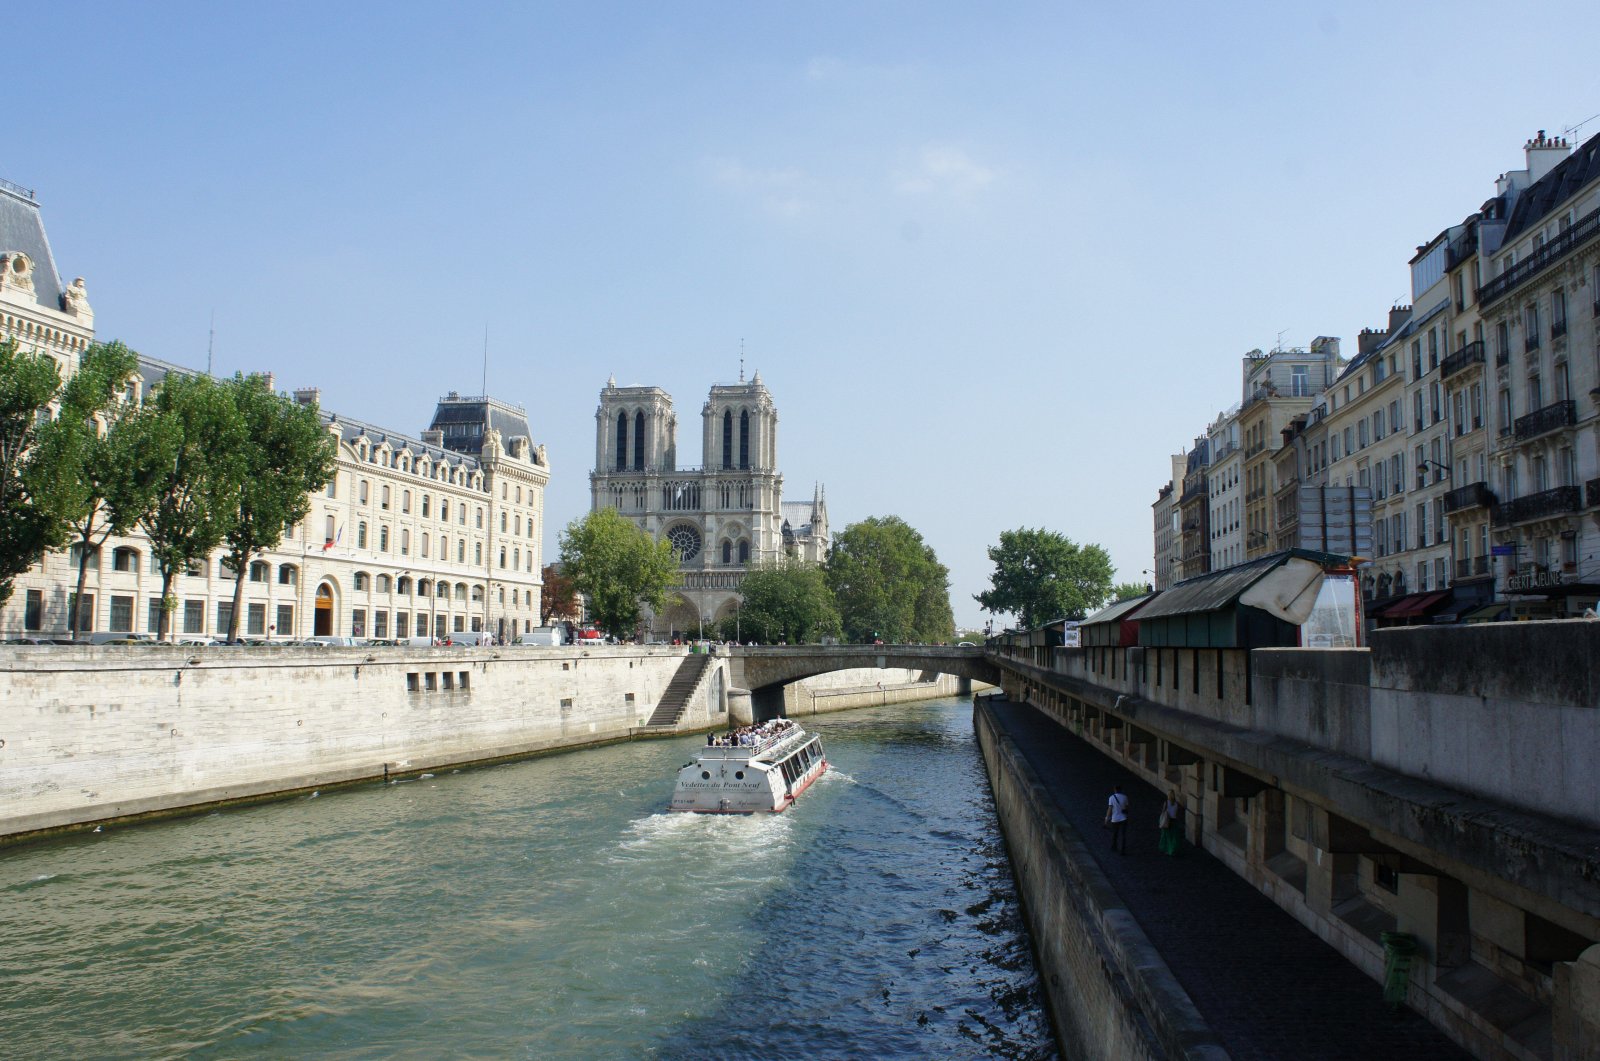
x,y
91,735
94,735
1110,994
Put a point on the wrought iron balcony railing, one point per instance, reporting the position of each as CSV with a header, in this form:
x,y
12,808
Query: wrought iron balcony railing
x,y
1471,354
1549,254
1473,495
1545,503
1543,421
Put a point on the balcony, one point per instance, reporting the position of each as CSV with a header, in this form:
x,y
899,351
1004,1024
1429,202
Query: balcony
x,y
1549,254
1473,495
1502,357
1471,567
1531,343
1545,503
1542,421
1471,354
1558,328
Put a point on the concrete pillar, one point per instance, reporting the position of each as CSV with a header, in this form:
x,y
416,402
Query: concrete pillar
x,y
1575,1007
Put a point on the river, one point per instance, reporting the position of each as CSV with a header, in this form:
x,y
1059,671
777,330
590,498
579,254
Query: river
x,y
544,909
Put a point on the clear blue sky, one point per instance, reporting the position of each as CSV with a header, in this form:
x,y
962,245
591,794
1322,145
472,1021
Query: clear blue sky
x,y
994,262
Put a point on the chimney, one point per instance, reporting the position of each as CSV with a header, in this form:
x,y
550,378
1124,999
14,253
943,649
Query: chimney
x,y
272,382
1397,317
308,396
434,437
1544,153
1369,340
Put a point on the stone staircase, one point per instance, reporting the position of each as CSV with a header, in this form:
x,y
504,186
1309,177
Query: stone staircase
x,y
679,691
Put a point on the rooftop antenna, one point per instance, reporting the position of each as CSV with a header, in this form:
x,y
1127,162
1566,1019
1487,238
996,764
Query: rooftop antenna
x,y
485,390
211,340
741,360
1279,348
1571,131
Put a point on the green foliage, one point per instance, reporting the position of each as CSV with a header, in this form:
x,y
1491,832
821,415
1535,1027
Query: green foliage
x,y
888,583
618,567
103,488
1128,591
285,454
199,425
788,601
1040,576
30,504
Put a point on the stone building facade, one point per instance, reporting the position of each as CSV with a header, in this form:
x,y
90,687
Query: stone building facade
x,y
416,536
724,517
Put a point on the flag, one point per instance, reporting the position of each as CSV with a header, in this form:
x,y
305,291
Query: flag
x,y
331,542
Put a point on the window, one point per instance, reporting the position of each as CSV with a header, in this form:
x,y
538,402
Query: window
x,y
461,550
330,530
125,560
1422,525
405,542
33,611
424,552
477,552
1436,402
286,575
333,485
1300,381
1433,348
358,622
444,509
380,625
1416,410
1558,314
363,581
424,505
502,522
256,619
383,499
744,551
260,571
361,535
285,624
224,617
1530,326
480,516
383,539
405,501
361,491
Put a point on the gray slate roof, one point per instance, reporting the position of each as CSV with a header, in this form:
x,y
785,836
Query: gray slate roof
x,y
22,229
1554,188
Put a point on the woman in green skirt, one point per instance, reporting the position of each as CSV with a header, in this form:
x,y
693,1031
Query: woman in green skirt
x,y
1171,824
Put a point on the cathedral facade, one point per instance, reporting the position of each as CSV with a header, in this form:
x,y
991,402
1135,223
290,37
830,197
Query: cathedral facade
x,y
723,518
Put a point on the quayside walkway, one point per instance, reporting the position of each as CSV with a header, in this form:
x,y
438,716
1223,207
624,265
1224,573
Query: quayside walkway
x,y
1267,986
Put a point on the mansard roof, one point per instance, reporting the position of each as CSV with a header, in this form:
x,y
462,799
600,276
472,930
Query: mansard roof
x,y
22,229
487,412
1554,188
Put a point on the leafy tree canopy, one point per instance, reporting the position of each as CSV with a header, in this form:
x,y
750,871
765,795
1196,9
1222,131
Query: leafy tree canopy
x,y
199,424
888,583
286,455
788,601
1128,591
1040,576
618,567
30,508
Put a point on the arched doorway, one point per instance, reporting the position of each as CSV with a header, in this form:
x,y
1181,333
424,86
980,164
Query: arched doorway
x,y
322,625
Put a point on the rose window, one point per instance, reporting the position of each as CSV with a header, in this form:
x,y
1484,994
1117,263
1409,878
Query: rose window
x,y
685,541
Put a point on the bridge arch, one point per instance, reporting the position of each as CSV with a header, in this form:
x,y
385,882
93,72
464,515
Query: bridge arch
x,y
764,671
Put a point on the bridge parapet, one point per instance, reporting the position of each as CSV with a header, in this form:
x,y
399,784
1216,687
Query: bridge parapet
x,y
768,665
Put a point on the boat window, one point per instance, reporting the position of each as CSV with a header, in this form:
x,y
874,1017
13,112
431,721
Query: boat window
x,y
738,775
705,775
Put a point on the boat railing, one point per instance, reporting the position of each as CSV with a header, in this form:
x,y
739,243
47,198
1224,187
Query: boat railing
x,y
766,744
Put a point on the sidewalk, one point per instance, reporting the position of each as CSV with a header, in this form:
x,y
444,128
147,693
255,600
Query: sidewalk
x,y
1269,988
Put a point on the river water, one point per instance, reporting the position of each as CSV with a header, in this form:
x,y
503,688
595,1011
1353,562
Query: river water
x,y
544,909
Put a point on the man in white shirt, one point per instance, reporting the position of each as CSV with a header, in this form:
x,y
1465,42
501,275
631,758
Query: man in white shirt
x,y
1117,820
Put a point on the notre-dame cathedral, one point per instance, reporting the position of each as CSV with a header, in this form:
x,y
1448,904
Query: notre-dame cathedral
x,y
722,518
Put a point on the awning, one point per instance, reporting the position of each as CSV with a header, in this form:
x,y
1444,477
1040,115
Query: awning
x,y
1116,612
1381,608
1417,604
1484,613
1283,585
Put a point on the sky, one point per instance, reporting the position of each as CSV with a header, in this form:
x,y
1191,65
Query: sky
x,y
994,262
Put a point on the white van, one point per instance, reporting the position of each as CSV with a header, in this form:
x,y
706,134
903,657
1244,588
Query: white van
x,y
549,636
471,638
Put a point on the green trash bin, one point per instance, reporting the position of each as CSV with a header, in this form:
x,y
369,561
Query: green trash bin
x,y
1399,948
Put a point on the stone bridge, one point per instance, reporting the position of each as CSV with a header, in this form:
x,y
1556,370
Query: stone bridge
x,y
771,667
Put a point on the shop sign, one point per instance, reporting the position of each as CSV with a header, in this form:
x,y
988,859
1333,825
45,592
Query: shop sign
x,y
1535,580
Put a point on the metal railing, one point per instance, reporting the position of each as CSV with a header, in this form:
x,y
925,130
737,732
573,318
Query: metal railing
x,y
19,191
1473,495
1541,421
1554,502
1543,258
1471,354
1558,328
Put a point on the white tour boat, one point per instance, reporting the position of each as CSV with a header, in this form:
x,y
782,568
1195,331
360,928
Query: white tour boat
x,y
751,771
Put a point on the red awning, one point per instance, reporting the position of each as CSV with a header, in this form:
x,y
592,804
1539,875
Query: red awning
x,y
1420,604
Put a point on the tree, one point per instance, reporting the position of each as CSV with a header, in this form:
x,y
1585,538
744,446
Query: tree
x,y
618,567
558,596
285,455
1128,591
196,492
888,584
107,475
30,513
1040,576
787,601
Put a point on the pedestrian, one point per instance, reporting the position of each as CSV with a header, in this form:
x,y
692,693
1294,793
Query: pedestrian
x,y
1171,824
1117,820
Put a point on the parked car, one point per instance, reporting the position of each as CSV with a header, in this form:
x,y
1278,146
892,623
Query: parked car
x,y
327,641
114,637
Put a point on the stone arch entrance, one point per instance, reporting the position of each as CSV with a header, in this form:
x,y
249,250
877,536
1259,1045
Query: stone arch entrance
x,y
322,624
